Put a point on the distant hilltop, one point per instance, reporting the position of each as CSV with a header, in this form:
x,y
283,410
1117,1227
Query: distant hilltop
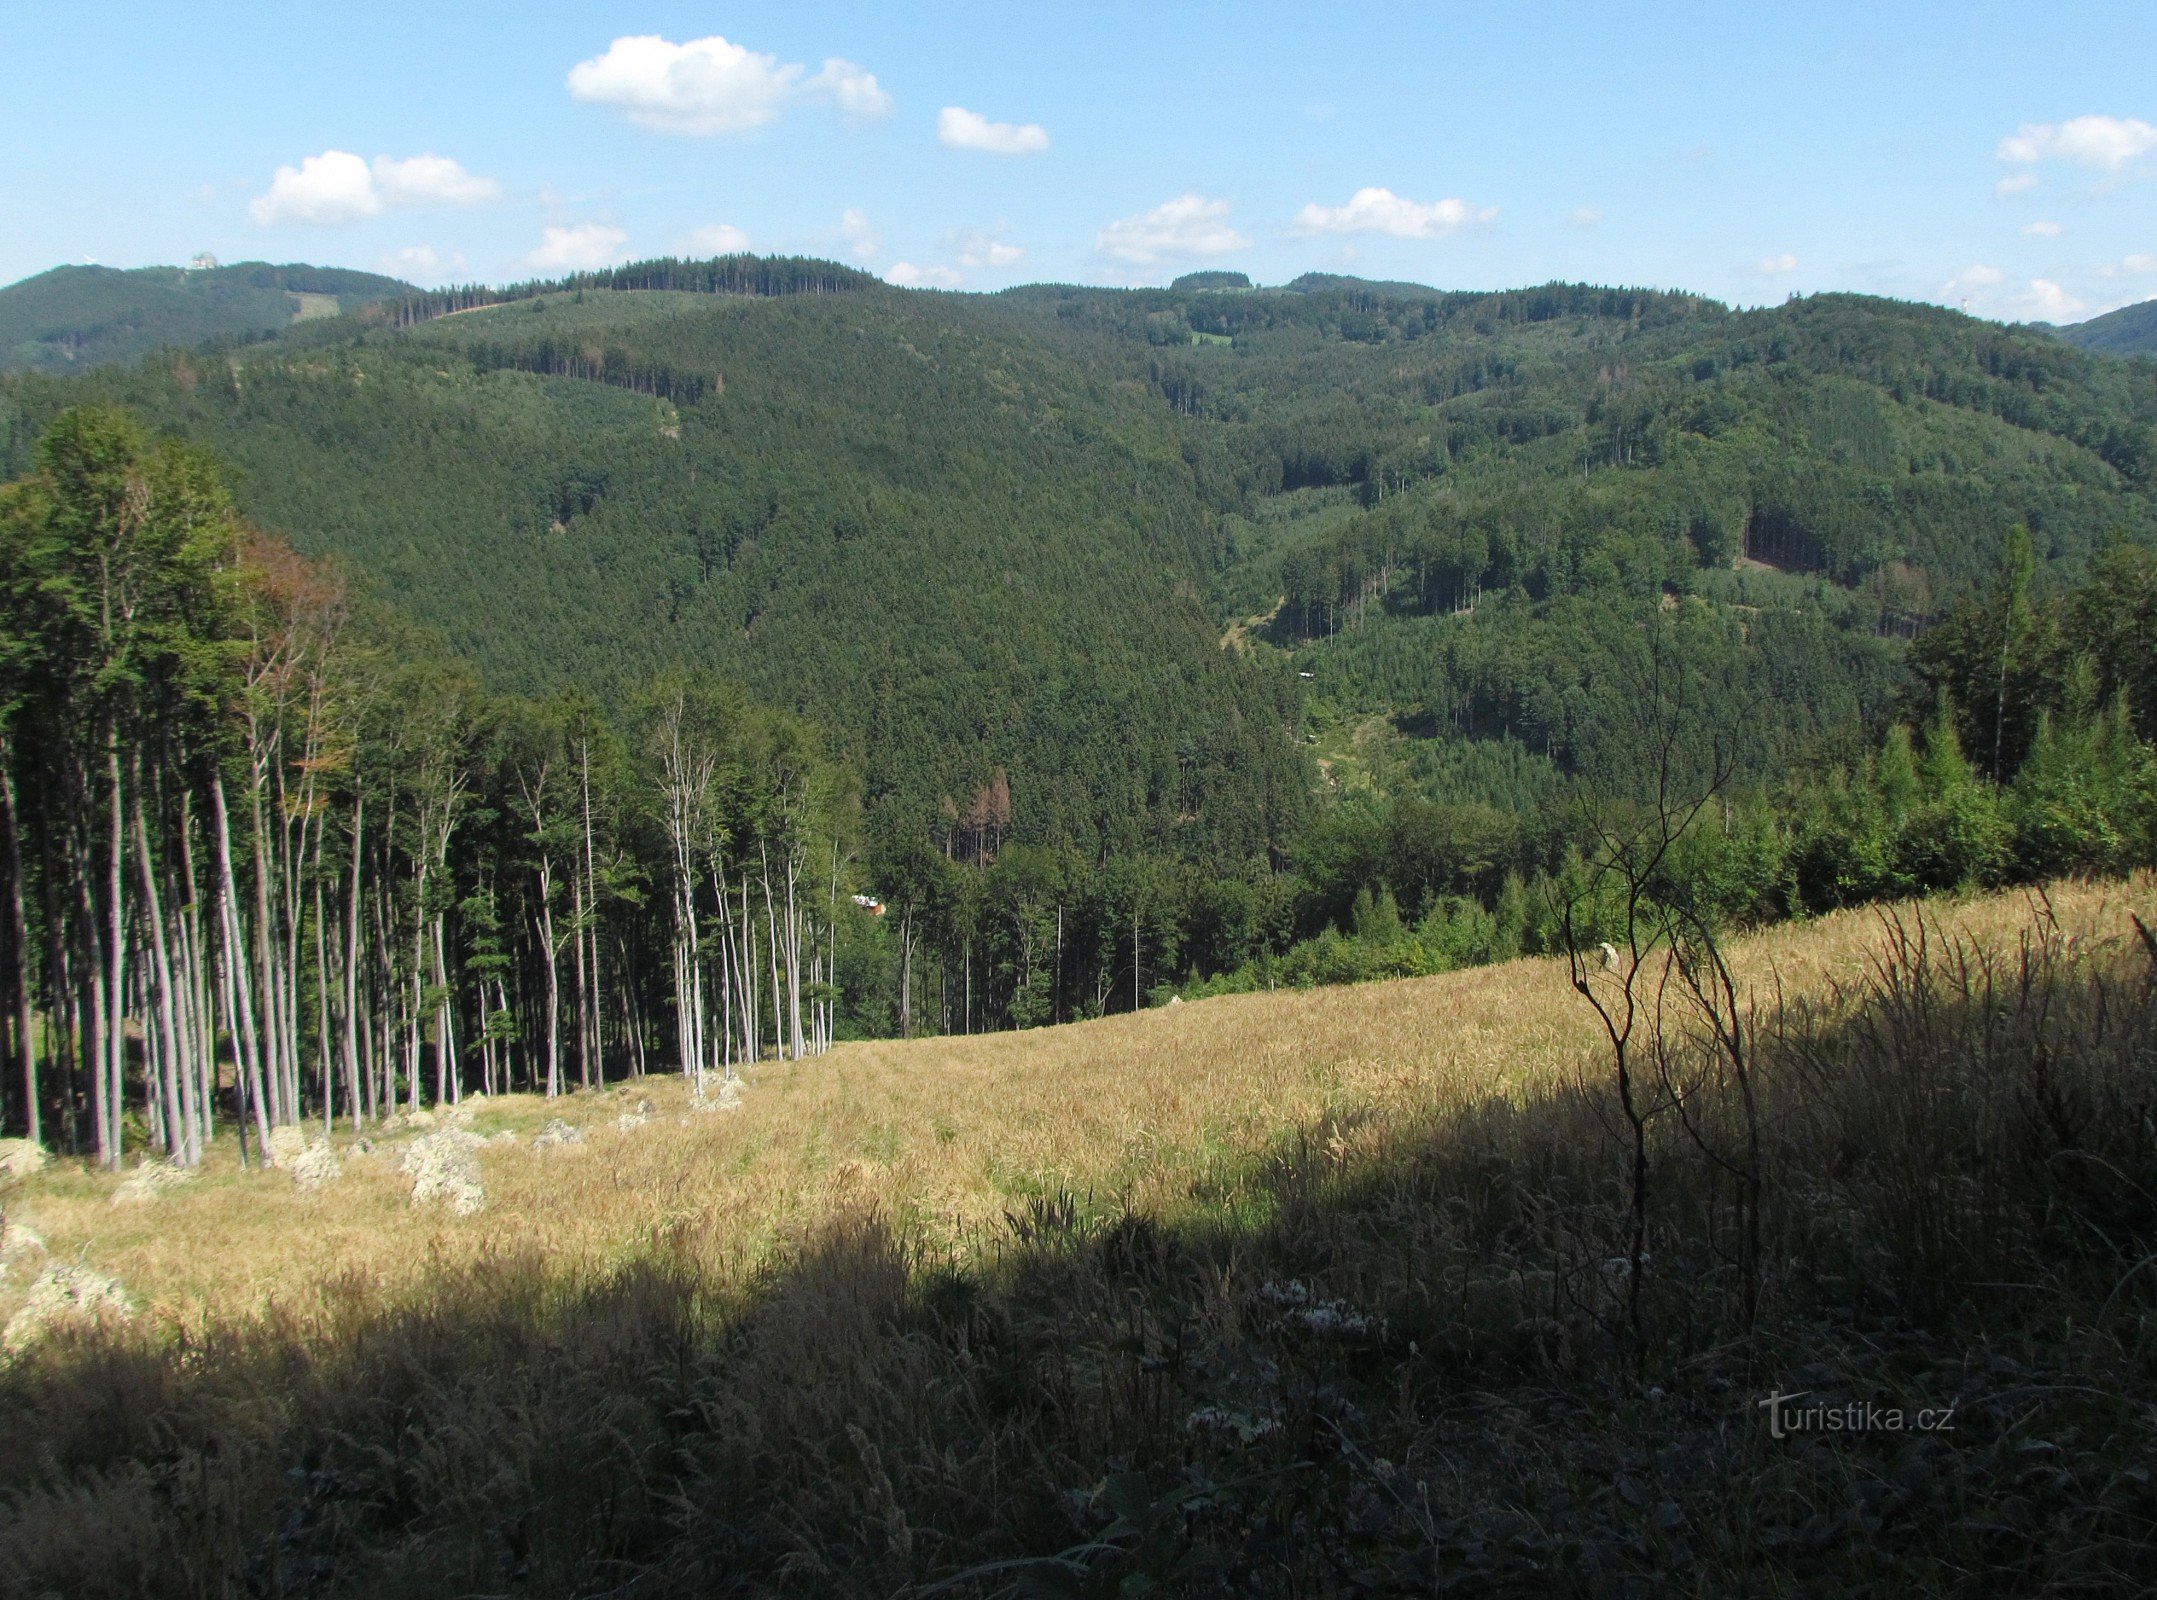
x,y
2129,331
74,318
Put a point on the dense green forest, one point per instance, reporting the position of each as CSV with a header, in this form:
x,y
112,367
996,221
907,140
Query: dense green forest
x,y
2129,331
75,318
1130,642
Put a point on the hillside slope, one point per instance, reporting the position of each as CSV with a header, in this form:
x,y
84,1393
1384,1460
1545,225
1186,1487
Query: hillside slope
x,y
971,532
1317,1294
2129,331
73,318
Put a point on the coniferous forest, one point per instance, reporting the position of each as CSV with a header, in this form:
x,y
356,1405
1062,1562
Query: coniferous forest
x,y
670,667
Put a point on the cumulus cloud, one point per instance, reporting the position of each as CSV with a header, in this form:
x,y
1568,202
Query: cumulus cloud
x,y
422,263
1183,228
2135,265
1383,211
960,129
1972,277
431,181
978,249
716,239
862,241
2016,183
337,186
578,247
2041,230
908,276
1777,266
1585,217
2105,143
2046,300
713,86
852,90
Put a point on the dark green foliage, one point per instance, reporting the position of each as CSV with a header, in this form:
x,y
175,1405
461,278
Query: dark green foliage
x,y
748,275
73,318
990,544
1190,282
2129,331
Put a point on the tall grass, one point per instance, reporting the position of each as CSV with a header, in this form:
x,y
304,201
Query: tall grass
x,y
1383,1350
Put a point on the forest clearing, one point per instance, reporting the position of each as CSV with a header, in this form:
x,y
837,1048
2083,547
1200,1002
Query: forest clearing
x,y
1240,1267
940,1136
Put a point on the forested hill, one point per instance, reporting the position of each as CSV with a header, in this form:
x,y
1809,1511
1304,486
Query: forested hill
x,y
75,318
2129,331
971,532
953,549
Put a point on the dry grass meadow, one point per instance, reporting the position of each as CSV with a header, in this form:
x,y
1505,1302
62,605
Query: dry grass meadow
x,y
1050,1312
1161,1109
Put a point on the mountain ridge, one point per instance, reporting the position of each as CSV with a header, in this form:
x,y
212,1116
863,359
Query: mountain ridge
x,y
72,318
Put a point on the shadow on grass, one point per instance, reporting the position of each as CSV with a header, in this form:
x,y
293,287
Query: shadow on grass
x,y
1412,1376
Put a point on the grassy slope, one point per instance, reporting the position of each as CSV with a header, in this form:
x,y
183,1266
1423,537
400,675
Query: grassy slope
x,y
1311,1294
947,1132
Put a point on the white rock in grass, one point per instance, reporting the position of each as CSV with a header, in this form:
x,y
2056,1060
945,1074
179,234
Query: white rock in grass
x,y
287,1144
316,1165
556,1134
19,1158
18,1243
727,1097
148,1181
445,1166
65,1294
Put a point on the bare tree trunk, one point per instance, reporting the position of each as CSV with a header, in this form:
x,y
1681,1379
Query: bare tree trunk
x,y
115,965
19,941
352,964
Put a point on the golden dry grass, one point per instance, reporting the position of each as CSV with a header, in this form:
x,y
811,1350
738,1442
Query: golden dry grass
x,y
944,1134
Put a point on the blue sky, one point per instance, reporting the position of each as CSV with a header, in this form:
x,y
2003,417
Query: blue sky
x,y
2001,155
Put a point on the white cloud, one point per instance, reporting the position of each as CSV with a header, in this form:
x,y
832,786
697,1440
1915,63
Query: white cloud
x,y
1188,226
2016,183
1778,266
860,234
2041,230
2048,301
712,85
978,249
2106,143
716,239
706,86
1585,217
961,129
431,181
1977,277
337,186
854,91
580,247
2140,261
1383,211
422,263
908,276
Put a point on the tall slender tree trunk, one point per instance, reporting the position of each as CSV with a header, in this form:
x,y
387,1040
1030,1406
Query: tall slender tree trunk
x,y
19,943
115,963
